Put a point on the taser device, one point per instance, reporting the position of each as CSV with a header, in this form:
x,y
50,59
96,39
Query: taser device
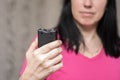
x,y
46,35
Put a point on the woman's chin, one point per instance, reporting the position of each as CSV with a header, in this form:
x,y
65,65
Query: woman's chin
x,y
88,24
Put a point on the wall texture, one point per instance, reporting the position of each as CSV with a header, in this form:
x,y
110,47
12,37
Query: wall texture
x,y
118,15
19,21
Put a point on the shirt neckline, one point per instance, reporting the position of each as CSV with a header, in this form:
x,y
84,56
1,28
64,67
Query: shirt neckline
x,y
100,54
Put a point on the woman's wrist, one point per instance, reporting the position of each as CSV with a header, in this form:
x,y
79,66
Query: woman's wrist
x,y
27,75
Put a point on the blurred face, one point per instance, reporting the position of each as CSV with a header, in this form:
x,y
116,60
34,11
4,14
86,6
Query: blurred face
x,y
88,12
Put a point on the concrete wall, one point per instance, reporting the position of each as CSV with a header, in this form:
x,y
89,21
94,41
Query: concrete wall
x,y
118,8
19,20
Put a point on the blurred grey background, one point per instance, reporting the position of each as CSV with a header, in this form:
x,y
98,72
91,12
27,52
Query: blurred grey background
x,y
19,21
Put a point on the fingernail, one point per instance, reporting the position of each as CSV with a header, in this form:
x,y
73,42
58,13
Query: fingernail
x,y
60,42
60,49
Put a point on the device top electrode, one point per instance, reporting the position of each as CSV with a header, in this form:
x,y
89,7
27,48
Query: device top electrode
x,y
47,30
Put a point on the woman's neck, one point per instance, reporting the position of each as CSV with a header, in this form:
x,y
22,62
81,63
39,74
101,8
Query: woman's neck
x,y
88,32
90,38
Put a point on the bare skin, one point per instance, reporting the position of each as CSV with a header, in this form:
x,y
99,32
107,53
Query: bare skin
x,y
43,61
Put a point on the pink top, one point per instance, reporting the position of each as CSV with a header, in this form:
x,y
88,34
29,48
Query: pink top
x,y
79,67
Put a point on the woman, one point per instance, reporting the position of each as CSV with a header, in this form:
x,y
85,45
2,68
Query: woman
x,y
88,48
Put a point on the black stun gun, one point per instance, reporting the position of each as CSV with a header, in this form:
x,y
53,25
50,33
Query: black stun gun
x,y
46,35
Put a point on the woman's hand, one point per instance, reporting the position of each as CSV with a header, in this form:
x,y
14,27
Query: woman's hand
x,y
43,61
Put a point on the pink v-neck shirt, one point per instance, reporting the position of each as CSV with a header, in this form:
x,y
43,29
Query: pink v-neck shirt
x,y
79,67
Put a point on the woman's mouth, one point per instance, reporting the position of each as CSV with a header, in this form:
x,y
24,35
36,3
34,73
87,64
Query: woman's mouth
x,y
87,14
